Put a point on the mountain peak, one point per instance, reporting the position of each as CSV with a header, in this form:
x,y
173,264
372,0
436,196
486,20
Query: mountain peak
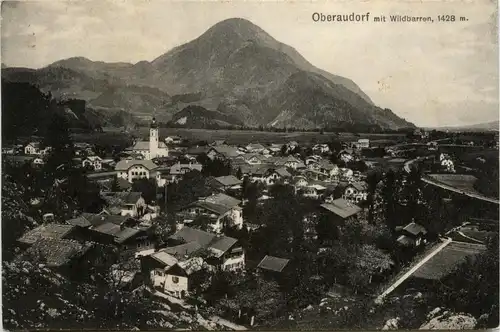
x,y
237,28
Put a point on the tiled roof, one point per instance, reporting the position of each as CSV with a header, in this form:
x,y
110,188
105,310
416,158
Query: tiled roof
x,y
126,234
283,172
192,265
223,200
164,257
140,145
188,234
196,239
272,263
107,228
118,198
184,249
124,165
228,180
226,150
415,229
55,252
342,208
360,185
49,231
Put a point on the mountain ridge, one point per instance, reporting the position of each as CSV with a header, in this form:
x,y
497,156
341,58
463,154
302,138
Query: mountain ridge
x,y
236,67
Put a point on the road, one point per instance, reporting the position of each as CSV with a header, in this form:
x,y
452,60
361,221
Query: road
x,y
405,276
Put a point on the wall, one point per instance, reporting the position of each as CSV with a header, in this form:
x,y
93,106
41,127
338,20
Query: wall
x,y
176,288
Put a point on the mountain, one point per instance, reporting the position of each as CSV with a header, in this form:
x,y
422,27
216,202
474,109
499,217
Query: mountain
x,y
234,68
199,117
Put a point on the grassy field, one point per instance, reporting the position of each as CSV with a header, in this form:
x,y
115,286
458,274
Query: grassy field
x,y
247,136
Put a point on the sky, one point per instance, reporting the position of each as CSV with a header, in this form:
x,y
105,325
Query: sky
x,y
432,74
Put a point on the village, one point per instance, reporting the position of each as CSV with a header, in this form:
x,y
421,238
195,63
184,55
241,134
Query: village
x,y
258,233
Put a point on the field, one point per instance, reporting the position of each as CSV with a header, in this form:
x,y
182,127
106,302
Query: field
x,y
444,261
238,137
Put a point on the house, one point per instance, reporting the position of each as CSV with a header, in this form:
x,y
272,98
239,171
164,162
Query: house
x,y
223,152
228,182
299,182
273,176
346,174
258,174
325,167
222,251
446,163
346,155
32,148
67,257
356,192
181,169
313,190
94,162
131,170
38,162
153,148
320,148
340,210
173,269
222,210
254,159
218,142
173,140
123,232
125,203
255,148
290,162
412,235
274,148
363,143
48,231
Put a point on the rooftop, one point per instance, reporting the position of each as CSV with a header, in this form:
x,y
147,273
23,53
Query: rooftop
x,y
228,180
272,263
124,165
55,252
49,231
342,208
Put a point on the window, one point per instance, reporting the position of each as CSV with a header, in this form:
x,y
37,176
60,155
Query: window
x,y
175,280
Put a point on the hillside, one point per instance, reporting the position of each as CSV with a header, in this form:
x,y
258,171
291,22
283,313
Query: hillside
x,y
199,117
235,67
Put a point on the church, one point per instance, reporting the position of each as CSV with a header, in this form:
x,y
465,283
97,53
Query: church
x,y
153,148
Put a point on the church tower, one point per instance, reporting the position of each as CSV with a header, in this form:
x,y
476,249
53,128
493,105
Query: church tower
x,y
153,140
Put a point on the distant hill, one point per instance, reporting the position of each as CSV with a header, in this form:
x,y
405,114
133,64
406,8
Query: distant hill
x,y
235,68
485,126
199,117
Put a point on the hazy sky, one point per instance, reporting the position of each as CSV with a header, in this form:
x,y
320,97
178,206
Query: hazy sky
x,y
435,74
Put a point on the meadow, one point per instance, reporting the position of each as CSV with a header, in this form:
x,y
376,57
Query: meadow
x,y
242,137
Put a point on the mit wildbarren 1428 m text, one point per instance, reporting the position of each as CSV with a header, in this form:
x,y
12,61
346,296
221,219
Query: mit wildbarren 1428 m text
x,y
397,18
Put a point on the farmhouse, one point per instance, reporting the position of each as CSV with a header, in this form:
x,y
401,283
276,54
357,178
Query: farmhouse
x,y
340,210
94,162
221,210
125,203
131,170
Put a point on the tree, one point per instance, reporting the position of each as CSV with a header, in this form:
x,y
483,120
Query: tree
x,y
372,181
147,187
239,173
388,195
473,286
